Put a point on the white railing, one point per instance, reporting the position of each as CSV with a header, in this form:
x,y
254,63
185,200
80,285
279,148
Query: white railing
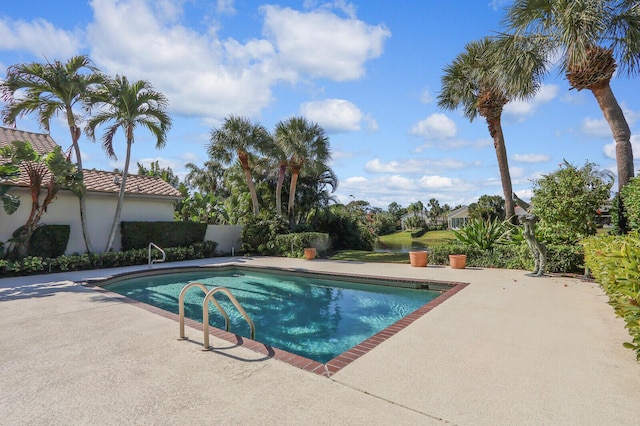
x,y
152,261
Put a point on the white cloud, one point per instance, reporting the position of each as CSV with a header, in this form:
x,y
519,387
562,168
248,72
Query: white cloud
x,y
521,109
225,7
597,128
439,182
205,76
530,158
436,126
416,166
334,115
381,191
40,38
426,97
322,44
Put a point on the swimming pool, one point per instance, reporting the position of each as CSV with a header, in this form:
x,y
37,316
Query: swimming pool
x,y
315,316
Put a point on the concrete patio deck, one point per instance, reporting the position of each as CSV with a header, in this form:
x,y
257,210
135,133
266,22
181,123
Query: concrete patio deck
x,y
508,349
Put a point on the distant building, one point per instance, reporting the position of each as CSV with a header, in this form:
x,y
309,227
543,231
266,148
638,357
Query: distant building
x,y
458,218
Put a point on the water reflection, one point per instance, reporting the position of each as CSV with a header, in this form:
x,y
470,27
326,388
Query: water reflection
x,y
399,247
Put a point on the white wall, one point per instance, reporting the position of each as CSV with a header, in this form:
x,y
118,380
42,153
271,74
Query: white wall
x,y
65,210
228,237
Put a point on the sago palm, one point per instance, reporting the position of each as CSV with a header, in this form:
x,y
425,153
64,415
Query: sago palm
x,y
47,90
124,105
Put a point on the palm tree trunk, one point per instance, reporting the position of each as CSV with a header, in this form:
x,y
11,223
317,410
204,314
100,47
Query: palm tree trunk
x,y
495,129
244,162
281,171
620,130
292,192
116,217
75,136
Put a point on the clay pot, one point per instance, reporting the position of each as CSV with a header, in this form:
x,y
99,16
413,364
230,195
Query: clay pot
x,y
458,261
310,253
418,258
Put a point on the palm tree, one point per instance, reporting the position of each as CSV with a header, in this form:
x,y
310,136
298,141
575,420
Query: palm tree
x,y
127,105
594,38
49,89
301,142
481,83
207,180
240,138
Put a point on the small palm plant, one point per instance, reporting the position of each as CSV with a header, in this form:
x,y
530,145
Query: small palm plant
x,y
483,234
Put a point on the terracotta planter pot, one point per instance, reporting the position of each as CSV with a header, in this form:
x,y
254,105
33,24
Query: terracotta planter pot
x,y
418,258
310,253
458,261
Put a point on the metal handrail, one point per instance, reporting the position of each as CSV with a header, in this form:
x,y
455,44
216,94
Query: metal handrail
x,y
183,292
205,313
205,310
164,255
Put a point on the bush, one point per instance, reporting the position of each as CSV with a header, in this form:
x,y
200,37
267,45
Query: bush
x,y
36,265
138,235
259,234
49,241
567,202
631,198
614,261
482,234
293,245
560,258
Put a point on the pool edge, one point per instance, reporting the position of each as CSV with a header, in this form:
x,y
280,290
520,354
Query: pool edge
x,y
447,290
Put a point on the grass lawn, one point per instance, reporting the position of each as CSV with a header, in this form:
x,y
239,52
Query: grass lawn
x,y
429,238
371,256
399,238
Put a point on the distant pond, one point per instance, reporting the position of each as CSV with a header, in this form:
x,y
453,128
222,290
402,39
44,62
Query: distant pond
x,y
399,248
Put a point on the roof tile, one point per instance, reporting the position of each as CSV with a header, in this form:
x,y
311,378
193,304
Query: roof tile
x,y
94,180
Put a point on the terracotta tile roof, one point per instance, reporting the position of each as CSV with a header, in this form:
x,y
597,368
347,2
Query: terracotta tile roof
x,y
109,182
40,142
95,180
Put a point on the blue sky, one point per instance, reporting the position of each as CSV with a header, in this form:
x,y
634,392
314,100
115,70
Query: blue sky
x,y
368,71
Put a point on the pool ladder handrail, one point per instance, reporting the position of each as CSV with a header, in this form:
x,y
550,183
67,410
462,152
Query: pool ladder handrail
x,y
209,297
164,255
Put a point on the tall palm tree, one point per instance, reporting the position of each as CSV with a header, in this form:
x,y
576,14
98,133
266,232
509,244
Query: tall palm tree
x,y
127,105
208,179
480,82
240,138
301,143
47,90
594,38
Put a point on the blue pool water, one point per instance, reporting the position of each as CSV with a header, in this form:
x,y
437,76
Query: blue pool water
x,y
313,317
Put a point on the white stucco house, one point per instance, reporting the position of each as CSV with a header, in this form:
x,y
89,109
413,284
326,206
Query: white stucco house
x,y
147,198
457,218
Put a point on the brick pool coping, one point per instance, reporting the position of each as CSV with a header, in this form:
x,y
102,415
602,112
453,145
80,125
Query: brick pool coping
x,y
306,364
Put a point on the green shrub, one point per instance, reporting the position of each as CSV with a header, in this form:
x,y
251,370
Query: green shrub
x,y
138,235
293,245
482,234
259,234
49,241
631,197
614,261
560,258
34,265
